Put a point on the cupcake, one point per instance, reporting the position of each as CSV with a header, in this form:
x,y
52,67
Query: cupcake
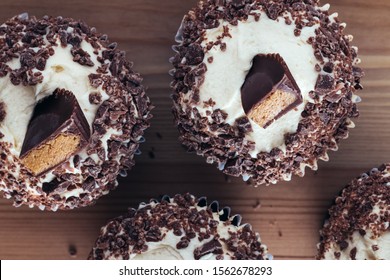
x,y
179,228
72,112
263,89
359,222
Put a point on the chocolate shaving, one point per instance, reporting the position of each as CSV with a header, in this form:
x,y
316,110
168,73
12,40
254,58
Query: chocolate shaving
x,y
51,186
82,57
352,254
2,112
4,69
95,98
194,54
212,247
328,67
324,84
343,245
273,10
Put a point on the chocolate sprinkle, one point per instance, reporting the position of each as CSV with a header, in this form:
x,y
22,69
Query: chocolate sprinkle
x,y
212,247
2,111
343,245
324,84
353,213
127,111
150,223
352,254
313,138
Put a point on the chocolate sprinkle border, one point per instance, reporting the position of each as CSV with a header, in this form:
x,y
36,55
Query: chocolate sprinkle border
x,y
127,110
324,123
352,212
130,233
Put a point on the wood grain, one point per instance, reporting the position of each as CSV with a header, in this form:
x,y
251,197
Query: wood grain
x,y
288,216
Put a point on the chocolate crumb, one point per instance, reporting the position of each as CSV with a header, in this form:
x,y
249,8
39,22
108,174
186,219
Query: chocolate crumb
x,y
2,111
95,98
152,154
273,10
352,254
212,247
324,83
343,245
159,135
194,54
82,57
72,250
328,67
183,244
257,206
362,232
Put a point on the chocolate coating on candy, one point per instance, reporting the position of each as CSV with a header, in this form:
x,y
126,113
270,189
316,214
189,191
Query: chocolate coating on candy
x,y
190,227
269,90
57,130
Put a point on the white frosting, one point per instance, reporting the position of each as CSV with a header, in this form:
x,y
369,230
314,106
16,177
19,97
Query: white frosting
x,y
161,253
19,103
364,247
227,72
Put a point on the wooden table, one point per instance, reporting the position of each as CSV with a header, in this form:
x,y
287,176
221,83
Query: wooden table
x,y
288,215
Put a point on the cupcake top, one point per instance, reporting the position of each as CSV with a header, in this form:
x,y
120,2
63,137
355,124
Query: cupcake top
x,y
260,82
359,224
72,112
178,228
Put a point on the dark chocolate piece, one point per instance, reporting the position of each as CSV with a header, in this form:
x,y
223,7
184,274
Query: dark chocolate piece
x,y
343,245
2,111
269,90
324,84
57,130
352,254
214,247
